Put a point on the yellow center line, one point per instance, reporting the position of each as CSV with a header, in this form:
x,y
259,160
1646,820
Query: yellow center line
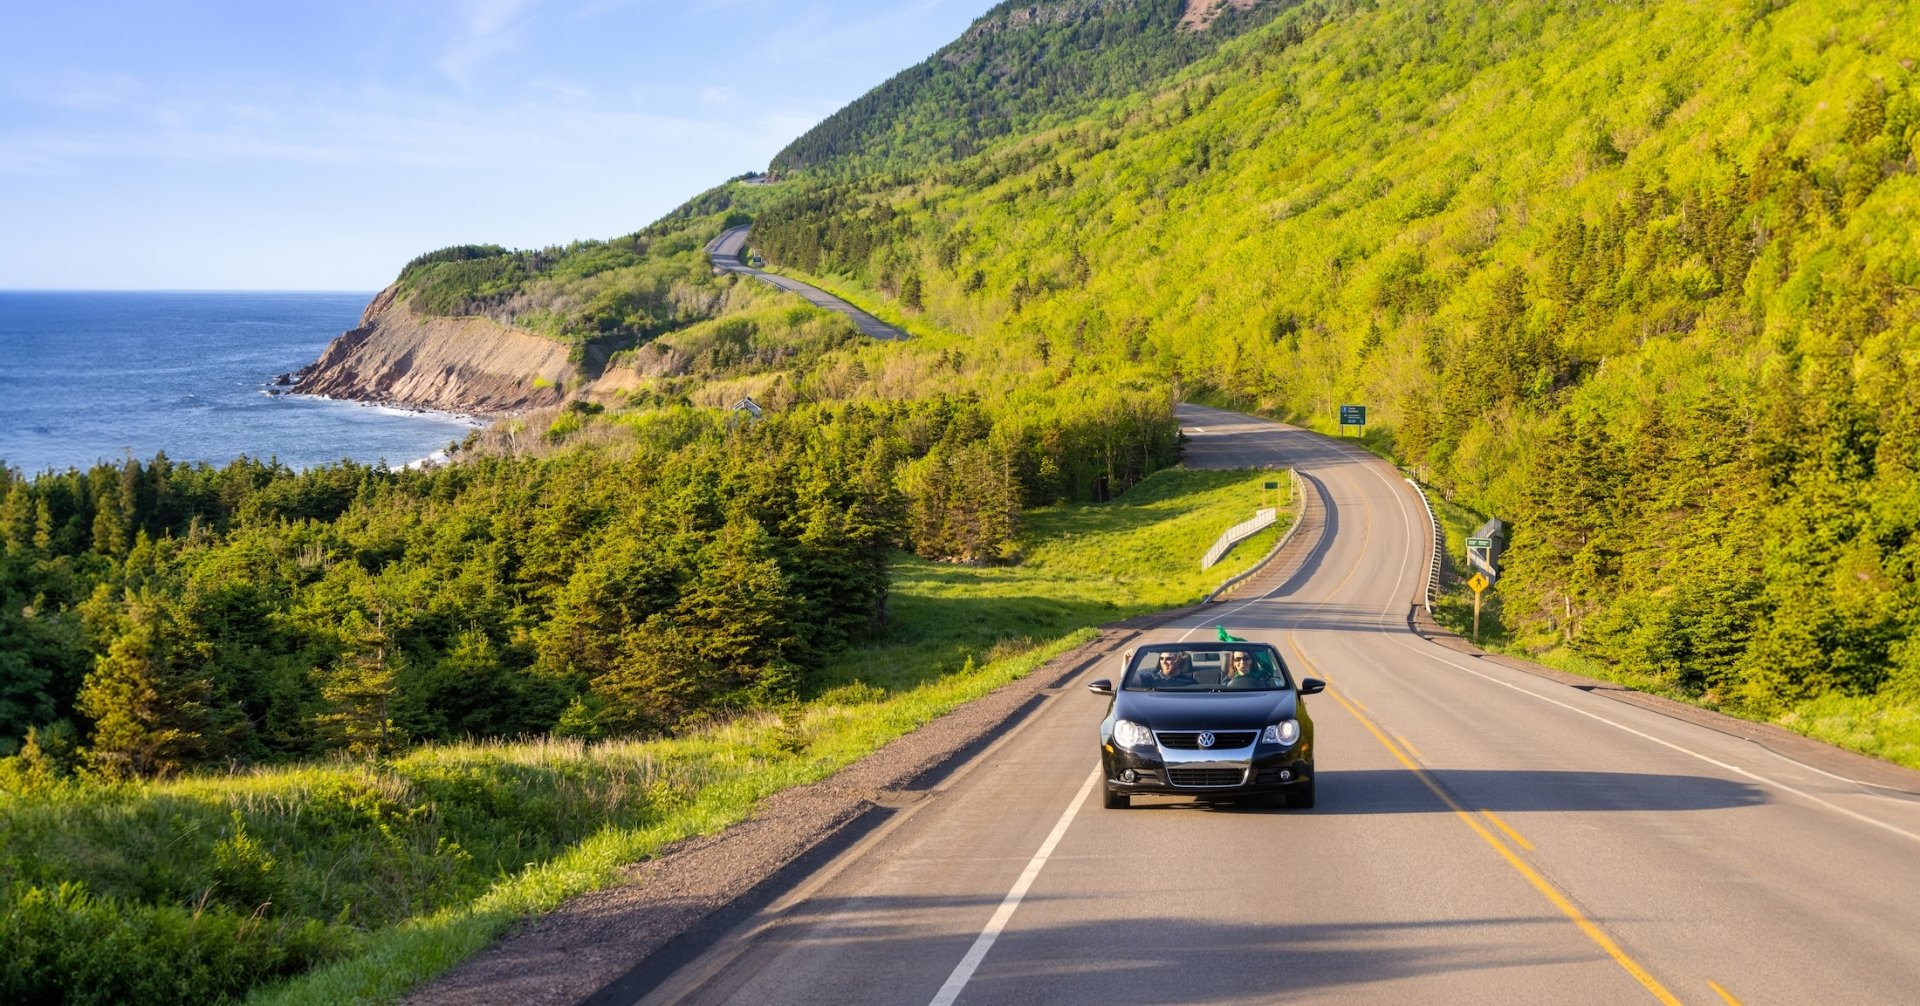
x,y
1405,743
1521,866
1722,993
1506,829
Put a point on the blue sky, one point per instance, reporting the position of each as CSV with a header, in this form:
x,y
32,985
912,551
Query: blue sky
x,y
199,144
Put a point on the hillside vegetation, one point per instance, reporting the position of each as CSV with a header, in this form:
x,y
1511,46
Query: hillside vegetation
x,y
1019,66
1638,278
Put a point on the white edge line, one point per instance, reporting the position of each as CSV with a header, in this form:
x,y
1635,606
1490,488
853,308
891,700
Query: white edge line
x,y
1735,769
963,972
1443,655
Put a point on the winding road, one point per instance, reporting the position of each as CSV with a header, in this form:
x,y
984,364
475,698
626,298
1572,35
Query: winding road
x,y
724,252
1484,834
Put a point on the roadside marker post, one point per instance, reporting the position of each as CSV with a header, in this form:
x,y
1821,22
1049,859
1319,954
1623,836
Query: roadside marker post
x,y
1479,583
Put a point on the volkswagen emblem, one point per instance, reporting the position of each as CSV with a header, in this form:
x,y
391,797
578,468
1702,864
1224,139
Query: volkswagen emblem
x,y
1206,738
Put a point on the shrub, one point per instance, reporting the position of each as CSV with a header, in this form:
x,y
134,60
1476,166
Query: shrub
x,y
64,945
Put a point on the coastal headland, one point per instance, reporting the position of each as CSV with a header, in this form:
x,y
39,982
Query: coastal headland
x,y
470,364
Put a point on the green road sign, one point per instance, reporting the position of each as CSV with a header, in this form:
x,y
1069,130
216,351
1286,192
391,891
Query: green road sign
x,y
1353,415
1271,485
1479,542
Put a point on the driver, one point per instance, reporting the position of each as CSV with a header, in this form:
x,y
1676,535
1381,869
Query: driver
x,y
1173,667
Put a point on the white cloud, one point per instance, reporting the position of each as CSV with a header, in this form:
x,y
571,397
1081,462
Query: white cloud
x,y
489,28
571,91
46,155
83,91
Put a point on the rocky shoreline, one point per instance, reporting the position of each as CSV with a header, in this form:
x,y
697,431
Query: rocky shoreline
x,y
467,366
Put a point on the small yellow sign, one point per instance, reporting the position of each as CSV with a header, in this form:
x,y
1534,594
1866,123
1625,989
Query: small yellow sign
x,y
1478,583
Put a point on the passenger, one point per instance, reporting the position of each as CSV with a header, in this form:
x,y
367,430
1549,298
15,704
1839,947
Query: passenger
x,y
1239,665
1173,668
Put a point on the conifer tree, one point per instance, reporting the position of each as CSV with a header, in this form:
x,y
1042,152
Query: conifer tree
x,y
149,714
16,517
358,689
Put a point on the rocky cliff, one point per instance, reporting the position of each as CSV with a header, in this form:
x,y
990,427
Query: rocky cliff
x,y
471,365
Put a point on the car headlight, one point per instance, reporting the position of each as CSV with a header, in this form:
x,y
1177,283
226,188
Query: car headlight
x,y
1129,734
1283,733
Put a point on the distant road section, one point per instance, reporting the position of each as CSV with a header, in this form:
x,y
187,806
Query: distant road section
x,y
724,252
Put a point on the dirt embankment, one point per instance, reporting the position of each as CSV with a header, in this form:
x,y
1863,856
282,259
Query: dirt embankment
x,y
470,365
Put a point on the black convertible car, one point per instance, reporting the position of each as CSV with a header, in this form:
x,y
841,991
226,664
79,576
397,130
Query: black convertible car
x,y
1215,720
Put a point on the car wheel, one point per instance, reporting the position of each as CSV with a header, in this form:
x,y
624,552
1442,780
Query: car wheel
x,y
1301,798
1116,801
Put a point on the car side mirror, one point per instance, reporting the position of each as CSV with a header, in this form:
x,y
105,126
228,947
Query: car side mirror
x,y
1310,686
1100,686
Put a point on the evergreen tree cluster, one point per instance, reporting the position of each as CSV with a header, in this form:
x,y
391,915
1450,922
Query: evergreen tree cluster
x,y
185,616
253,614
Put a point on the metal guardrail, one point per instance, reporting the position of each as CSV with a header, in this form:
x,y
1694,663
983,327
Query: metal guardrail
x,y
1262,518
1299,509
1433,572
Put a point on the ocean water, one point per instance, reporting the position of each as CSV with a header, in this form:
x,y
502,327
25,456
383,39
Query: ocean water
x,y
86,377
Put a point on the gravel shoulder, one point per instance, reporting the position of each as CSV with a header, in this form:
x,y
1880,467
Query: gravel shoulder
x,y
598,947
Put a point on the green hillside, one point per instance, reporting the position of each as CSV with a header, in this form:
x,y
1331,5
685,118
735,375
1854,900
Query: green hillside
x,y
1019,66
1637,278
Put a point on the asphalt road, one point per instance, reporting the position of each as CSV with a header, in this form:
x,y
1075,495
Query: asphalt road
x,y
724,252
1483,835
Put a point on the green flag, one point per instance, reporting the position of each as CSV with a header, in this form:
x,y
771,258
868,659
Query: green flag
x,y
1228,637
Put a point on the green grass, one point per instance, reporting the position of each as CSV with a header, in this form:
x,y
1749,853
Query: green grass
x,y
711,779
1871,725
347,882
1083,564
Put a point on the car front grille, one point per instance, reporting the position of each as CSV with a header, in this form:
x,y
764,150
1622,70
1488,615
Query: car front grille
x,y
1206,776
1189,740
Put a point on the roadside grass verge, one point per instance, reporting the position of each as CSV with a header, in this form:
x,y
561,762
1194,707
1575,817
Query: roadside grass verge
x,y
1870,725
1082,565
701,784
350,882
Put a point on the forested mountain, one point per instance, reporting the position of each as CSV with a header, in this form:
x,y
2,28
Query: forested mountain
x,y
1637,278
1019,66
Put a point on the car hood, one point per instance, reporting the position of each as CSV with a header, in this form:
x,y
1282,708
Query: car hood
x,y
1204,710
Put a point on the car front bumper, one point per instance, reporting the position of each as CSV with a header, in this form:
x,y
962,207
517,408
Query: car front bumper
x,y
1261,769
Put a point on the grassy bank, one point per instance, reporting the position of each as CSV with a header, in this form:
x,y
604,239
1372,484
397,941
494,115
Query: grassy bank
x,y
1874,725
343,882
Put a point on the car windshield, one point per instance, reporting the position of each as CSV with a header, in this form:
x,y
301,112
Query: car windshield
x,y
1252,666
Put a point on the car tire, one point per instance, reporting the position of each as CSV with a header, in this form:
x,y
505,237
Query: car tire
x,y
1116,801
1301,798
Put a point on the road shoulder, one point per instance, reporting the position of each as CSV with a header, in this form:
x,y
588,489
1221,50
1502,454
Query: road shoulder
x,y
1851,766
598,947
